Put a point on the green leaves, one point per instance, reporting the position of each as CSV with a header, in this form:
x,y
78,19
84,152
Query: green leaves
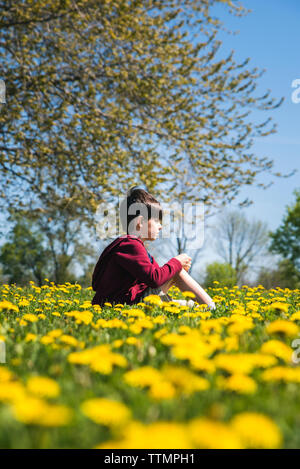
x,y
90,83
286,239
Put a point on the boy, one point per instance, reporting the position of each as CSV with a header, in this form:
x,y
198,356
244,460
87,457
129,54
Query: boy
x,y
126,272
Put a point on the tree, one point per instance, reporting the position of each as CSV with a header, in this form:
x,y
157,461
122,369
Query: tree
x,y
221,272
284,276
286,239
69,244
3,278
23,256
85,280
239,242
94,87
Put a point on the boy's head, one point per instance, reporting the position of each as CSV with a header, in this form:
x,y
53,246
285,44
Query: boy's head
x,y
141,214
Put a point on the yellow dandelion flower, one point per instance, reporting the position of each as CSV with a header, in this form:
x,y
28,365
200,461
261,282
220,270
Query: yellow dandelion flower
x,y
282,373
56,416
30,317
160,332
135,329
242,363
278,349
35,411
135,312
55,333
239,383
28,410
162,390
188,294
185,380
85,317
261,360
277,305
8,306
30,337
100,359
240,326
159,320
68,339
103,364
117,343
295,316
5,374
111,323
133,341
11,391
46,340
153,300
172,309
284,327
231,343
43,386
158,435
143,376
202,364
106,411
211,325
246,424
210,434
87,356
24,302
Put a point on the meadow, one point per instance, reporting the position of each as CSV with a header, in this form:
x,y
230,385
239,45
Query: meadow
x,y
151,375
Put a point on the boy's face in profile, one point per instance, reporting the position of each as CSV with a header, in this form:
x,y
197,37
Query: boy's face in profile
x,y
154,227
148,230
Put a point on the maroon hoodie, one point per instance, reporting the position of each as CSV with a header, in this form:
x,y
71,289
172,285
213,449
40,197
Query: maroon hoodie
x,y
124,271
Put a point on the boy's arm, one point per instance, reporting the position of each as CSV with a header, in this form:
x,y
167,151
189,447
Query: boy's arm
x,y
133,257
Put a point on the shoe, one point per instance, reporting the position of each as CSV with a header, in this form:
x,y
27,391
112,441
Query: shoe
x,y
189,303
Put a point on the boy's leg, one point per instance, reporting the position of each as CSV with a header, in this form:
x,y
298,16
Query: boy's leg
x,y
167,285
185,282
164,290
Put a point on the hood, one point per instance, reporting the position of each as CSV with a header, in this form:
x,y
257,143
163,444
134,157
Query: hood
x,y
103,259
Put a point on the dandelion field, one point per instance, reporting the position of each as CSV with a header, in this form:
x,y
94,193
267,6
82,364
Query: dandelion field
x,y
150,375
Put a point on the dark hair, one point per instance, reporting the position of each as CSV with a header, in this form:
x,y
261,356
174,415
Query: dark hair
x,y
142,203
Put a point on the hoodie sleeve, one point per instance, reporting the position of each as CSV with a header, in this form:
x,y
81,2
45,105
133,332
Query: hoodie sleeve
x,y
133,257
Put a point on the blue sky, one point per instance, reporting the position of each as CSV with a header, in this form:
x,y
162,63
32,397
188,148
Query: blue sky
x,y
270,36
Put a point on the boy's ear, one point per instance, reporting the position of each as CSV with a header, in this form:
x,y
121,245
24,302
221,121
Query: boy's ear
x,y
140,221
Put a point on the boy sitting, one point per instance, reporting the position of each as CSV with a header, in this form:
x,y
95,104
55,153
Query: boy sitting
x,y
126,272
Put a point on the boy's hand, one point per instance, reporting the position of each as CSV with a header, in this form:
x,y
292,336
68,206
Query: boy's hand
x,y
185,261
